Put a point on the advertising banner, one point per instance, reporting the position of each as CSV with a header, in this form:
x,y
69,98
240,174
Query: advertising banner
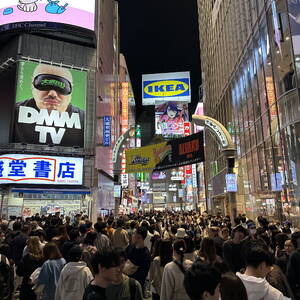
x,y
37,169
170,118
71,12
50,105
165,87
168,155
231,183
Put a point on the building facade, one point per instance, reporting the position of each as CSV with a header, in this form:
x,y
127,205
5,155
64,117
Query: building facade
x,y
250,60
56,73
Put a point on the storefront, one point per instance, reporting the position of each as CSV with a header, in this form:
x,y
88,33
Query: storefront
x,y
27,202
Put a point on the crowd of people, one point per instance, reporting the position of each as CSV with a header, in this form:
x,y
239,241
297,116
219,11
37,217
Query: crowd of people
x,y
158,255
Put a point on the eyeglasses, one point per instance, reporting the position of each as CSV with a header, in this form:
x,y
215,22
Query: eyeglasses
x,y
48,82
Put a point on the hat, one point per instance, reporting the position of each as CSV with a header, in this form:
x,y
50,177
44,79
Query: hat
x,y
181,233
240,228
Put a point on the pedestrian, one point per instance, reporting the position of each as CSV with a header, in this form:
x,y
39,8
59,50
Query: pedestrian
x,y
6,278
89,249
259,261
208,255
172,282
232,287
124,288
61,237
120,237
202,282
74,277
157,266
102,241
50,271
232,249
29,263
293,267
138,257
67,246
106,267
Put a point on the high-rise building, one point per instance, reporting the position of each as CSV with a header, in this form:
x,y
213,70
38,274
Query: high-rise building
x,y
59,72
250,59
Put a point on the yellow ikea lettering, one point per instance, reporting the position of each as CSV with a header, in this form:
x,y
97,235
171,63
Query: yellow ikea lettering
x,y
166,88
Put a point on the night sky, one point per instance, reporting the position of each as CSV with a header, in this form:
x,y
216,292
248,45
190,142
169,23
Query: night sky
x,y
159,36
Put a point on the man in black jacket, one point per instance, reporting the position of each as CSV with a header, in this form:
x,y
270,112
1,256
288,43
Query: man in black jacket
x,y
293,268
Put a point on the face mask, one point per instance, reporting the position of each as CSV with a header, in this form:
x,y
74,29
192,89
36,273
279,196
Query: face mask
x,y
252,231
48,82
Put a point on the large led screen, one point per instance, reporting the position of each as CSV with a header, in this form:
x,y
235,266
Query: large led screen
x,y
50,105
170,118
73,12
37,169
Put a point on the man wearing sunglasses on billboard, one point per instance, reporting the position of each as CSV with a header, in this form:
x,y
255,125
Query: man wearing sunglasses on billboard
x,y
49,117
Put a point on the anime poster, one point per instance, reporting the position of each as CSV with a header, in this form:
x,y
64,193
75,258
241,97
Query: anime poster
x,y
170,118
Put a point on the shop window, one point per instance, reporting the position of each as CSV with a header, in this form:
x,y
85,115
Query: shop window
x,y
280,41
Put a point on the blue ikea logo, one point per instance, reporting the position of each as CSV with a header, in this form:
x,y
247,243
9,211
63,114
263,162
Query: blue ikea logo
x,y
166,88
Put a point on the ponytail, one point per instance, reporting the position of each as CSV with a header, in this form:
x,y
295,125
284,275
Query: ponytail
x,y
180,248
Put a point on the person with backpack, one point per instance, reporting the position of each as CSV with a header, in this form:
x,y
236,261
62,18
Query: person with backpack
x,y
74,277
172,287
124,287
6,279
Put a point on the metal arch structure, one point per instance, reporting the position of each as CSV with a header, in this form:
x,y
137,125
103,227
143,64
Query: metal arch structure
x,y
228,148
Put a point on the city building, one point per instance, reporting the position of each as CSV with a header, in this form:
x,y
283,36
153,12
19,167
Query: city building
x,y
59,85
250,61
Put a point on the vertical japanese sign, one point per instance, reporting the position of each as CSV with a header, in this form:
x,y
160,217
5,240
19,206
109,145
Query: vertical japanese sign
x,y
29,169
106,131
124,99
50,105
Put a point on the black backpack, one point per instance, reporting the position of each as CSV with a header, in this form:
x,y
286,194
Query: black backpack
x,y
6,279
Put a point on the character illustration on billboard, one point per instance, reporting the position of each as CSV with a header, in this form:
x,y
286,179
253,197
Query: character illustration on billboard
x,y
170,117
49,117
53,8
27,5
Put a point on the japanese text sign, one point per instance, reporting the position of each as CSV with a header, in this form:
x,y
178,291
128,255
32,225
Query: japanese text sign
x,y
36,169
106,131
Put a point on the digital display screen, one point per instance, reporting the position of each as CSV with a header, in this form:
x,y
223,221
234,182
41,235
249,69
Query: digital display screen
x,y
73,12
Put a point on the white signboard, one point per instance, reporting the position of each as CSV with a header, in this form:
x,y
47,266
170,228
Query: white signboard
x,y
37,169
73,12
166,87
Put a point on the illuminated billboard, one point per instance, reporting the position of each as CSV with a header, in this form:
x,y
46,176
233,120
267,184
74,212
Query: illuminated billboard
x,y
73,12
50,105
158,88
170,118
37,169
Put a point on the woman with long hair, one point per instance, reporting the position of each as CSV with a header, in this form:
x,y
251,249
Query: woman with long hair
x,y
29,263
50,271
157,266
172,287
208,255
61,237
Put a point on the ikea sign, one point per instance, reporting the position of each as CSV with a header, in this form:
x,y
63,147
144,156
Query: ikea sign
x,y
159,88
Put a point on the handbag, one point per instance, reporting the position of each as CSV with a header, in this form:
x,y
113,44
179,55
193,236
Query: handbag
x,y
37,287
130,268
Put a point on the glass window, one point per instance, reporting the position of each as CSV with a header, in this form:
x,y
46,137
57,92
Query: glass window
x,y
262,167
254,85
260,5
256,171
265,125
258,131
280,42
250,172
253,7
